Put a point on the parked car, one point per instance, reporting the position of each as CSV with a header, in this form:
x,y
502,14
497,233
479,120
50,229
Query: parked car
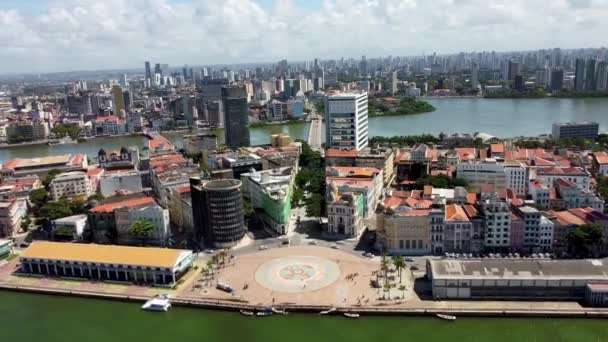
x,y
334,246
263,247
409,259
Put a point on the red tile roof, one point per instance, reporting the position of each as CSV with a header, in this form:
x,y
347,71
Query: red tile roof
x,y
106,118
110,207
392,202
497,148
466,153
571,171
94,172
183,189
337,153
601,157
455,212
415,212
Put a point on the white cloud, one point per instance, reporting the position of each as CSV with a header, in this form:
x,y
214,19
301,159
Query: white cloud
x,y
91,34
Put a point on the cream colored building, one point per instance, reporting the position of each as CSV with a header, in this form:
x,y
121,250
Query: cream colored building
x,y
70,184
406,232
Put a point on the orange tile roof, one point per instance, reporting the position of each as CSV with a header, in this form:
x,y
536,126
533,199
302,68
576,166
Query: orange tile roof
x,y
337,153
11,164
351,182
471,197
183,189
455,212
466,153
567,218
497,148
572,171
415,212
470,210
428,190
106,118
159,142
94,172
110,207
105,254
601,157
392,202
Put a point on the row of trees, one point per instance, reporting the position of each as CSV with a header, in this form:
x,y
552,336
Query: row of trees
x,y
586,240
66,130
554,143
405,140
311,181
387,265
406,106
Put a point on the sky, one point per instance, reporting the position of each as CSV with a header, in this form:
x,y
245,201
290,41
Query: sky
x,y
61,35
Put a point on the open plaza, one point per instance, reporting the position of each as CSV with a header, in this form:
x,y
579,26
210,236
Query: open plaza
x,y
295,277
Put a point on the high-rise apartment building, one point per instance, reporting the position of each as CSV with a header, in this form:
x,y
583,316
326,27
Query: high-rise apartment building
x,y
236,117
346,118
217,210
579,75
148,71
118,100
590,76
556,82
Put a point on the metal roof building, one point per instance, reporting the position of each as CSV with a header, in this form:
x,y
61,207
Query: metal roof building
x,y
515,278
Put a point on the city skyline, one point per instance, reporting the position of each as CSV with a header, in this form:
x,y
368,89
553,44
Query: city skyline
x,y
51,36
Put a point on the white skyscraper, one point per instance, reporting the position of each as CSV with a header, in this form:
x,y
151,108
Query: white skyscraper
x,y
346,121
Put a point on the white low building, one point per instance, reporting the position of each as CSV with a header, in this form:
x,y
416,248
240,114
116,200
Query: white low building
x,y
70,184
155,214
69,228
575,175
114,181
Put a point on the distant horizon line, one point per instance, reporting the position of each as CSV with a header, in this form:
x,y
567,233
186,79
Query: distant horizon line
x,y
175,66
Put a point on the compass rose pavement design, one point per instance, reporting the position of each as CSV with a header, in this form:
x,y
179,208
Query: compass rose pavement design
x,y
297,274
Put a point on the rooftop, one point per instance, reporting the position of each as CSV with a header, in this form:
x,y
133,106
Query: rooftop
x,y
37,162
454,212
110,207
105,254
525,269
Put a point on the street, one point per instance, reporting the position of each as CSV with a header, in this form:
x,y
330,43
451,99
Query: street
x,y
315,135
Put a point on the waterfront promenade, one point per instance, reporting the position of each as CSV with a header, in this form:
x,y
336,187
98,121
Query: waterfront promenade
x,y
301,279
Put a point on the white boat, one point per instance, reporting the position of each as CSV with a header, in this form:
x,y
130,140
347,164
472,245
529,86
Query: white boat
x,y
247,313
279,312
264,313
351,315
327,312
446,317
157,304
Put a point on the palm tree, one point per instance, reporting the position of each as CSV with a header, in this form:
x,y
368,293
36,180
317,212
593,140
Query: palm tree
x,y
384,266
399,263
387,288
402,288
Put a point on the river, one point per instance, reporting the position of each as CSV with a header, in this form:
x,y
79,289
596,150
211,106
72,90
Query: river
x,y
500,117
29,317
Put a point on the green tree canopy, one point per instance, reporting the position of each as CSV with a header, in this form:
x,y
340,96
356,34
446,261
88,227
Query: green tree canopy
x,y
39,197
585,240
142,229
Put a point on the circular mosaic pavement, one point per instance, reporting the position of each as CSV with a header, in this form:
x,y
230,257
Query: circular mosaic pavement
x,y
297,274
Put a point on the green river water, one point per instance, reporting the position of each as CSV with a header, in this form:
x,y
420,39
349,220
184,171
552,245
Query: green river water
x,y
500,117
29,317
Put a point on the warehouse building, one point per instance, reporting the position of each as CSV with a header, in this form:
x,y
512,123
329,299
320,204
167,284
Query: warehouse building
x,y
154,266
515,279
